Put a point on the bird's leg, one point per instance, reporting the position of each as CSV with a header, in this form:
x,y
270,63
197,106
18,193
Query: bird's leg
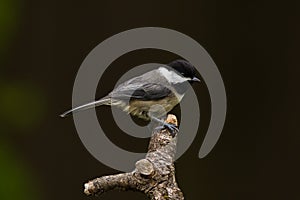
x,y
171,127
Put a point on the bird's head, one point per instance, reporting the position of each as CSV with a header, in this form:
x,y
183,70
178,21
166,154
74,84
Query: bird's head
x,y
185,69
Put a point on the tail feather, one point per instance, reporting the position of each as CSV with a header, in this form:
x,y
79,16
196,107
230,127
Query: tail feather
x,y
93,104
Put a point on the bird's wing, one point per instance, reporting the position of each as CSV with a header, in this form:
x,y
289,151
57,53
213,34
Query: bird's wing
x,y
143,91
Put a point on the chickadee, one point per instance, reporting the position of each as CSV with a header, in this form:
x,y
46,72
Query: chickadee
x,y
151,95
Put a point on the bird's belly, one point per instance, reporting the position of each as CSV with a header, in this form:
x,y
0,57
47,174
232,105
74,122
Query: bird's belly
x,y
155,108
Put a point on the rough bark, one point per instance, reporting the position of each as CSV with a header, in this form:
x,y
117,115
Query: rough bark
x,y
154,175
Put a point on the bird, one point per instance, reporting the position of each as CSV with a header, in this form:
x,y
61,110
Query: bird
x,y
150,95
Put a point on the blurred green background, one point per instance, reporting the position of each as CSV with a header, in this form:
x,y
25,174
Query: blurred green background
x,y
255,44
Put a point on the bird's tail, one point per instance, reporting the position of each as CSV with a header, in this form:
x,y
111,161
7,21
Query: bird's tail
x,y
104,101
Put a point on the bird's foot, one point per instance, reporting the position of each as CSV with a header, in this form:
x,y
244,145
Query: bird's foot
x,y
170,127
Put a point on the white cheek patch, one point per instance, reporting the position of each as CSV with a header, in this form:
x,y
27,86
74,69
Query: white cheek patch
x,y
171,76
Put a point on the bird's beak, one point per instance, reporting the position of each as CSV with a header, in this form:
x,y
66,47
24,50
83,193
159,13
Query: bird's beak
x,y
195,79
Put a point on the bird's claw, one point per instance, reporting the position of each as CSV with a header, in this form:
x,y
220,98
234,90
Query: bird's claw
x,y
171,128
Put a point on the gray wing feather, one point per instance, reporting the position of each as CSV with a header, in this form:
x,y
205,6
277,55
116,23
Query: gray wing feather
x,y
149,86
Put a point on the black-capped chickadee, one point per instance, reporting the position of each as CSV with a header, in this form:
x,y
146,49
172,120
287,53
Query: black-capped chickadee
x,y
151,95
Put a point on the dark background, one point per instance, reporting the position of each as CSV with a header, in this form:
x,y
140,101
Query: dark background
x,y
255,45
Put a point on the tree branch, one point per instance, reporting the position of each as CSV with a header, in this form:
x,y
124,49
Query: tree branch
x,y
154,175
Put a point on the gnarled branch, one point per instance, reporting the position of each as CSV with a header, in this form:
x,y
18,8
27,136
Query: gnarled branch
x,y
154,175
